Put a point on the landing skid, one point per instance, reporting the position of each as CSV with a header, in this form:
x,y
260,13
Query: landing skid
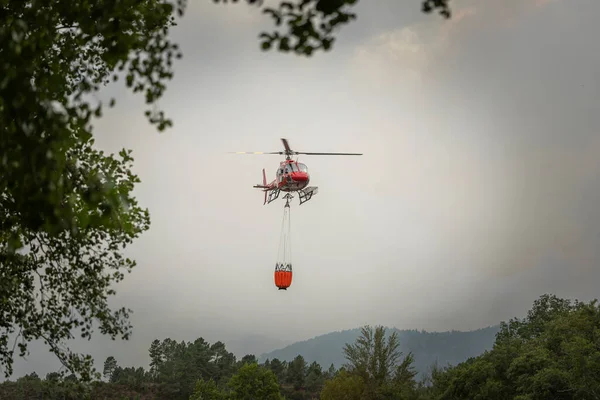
x,y
307,193
273,195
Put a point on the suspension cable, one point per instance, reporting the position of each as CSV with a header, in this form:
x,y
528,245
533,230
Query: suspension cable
x,y
284,256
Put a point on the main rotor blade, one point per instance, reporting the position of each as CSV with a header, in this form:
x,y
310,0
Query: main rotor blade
x,y
328,154
286,145
255,152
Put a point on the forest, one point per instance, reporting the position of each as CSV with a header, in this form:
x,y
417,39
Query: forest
x,y
551,353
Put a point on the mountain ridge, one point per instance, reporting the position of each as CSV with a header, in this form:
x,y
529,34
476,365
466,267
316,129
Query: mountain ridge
x,y
428,348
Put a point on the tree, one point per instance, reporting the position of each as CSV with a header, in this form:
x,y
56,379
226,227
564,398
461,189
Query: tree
x,y
62,281
405,372
207,390
330,373
376,362
403,385
177,366
254,382
66,210
223,361
32,376
53,58
156,357
552,353
53,376
296,372
248,359
371,357
314,377
344,386
311,23
110,364
278,368
544,309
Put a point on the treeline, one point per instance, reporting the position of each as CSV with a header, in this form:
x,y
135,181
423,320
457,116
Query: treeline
x,y
451,347
183,370
553,353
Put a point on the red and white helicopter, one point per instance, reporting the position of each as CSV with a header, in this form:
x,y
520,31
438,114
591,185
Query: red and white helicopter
x,y
291,176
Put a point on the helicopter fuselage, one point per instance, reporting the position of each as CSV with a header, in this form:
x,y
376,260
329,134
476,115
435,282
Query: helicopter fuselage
x,y
292,176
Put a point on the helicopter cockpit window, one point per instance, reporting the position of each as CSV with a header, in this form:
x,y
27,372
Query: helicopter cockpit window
x,y
302,167
288,168
294,167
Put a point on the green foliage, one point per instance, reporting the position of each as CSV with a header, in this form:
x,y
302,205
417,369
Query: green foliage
x,y
38,298
376,362
54,57
344,386
253,381
110,364
330,373
207,390
53,377
248,359
314,377
66,209
402,384
311,23
134,378
61,282
156,358
178,366
553,353
296,372
29,387
279,369
371,358
182,371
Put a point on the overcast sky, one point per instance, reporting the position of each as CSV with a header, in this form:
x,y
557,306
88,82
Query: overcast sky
x,y
478,189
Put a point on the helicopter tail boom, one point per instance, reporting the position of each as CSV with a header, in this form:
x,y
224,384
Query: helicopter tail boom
x,y
265,184
266,187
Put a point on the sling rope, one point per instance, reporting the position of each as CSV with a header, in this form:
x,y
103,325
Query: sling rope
x,y
284,255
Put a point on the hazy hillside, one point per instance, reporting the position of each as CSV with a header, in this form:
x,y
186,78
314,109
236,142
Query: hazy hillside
x,y
428,347
253,344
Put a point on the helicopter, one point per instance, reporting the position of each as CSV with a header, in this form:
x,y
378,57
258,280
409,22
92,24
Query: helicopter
x,y
291,176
